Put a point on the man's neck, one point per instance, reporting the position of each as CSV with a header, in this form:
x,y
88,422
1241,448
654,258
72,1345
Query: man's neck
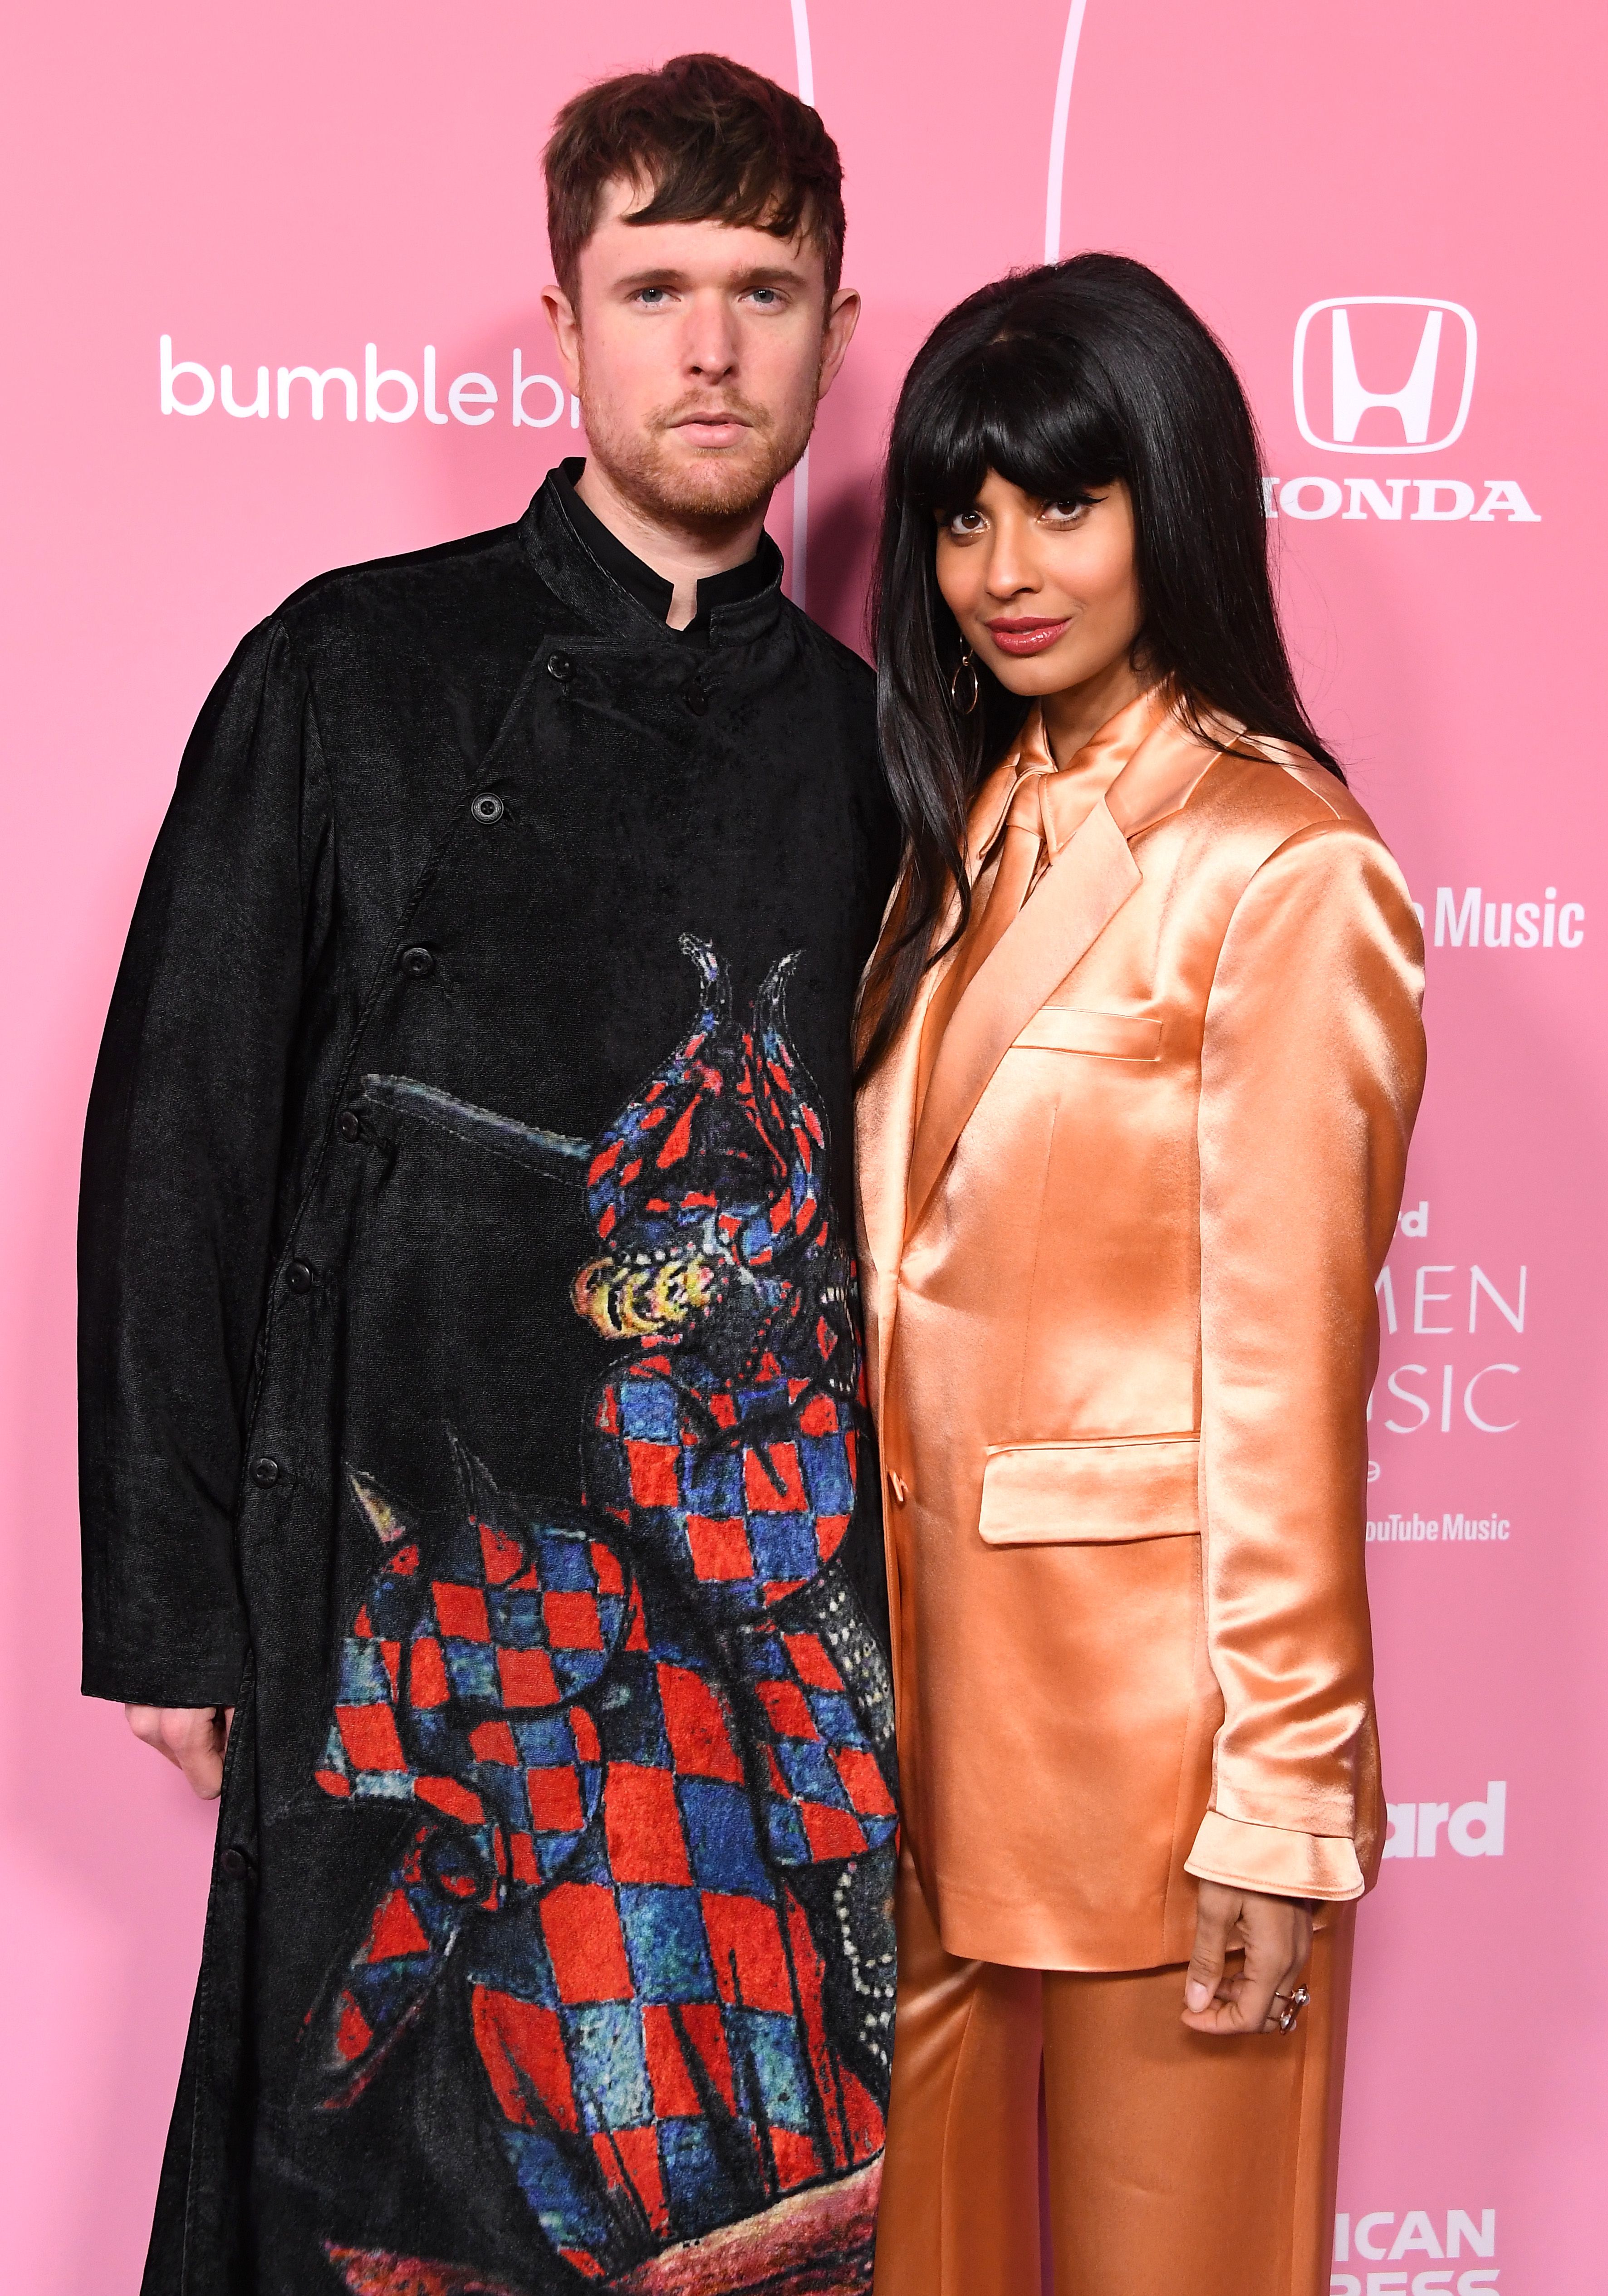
x,y
682,555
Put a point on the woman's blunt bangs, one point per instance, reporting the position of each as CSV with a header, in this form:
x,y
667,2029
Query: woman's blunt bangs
x,y
1012,405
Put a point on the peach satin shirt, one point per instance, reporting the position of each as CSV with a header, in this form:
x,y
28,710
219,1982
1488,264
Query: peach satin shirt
x,y
1127,1179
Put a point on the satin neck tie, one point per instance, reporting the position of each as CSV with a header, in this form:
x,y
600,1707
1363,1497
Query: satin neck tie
x,y
1021,845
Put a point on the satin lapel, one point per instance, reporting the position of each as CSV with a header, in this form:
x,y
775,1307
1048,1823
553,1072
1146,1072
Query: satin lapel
x,y
884,1128
885,1105
1070,907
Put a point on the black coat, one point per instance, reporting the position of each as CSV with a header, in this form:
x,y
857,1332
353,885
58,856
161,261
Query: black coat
x,y
470,1393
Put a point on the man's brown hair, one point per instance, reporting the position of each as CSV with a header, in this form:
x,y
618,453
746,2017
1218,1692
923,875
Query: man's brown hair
x,y
715,142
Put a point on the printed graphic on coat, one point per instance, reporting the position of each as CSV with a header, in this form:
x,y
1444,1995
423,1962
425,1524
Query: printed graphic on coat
x,y
649,1741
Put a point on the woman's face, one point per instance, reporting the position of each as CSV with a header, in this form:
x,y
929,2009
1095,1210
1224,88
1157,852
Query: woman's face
x,y
1044,593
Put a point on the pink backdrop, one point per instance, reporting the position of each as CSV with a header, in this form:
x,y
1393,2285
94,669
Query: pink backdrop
x,y
284,186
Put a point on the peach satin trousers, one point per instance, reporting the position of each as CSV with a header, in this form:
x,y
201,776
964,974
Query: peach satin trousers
x,y
1178,2165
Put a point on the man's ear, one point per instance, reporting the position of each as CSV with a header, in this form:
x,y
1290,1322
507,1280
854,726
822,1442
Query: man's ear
x,y
842,317
565,324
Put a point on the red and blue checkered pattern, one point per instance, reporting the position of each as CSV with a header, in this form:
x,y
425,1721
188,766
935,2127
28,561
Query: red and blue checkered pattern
x,y
646,1989
667,2003
630,1736
743,1490
744,1493
456,1685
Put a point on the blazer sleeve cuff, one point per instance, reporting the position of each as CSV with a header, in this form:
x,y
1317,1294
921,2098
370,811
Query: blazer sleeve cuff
x,y
1271,1860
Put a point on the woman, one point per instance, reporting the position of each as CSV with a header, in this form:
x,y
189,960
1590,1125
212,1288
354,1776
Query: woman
x,y
1140,1055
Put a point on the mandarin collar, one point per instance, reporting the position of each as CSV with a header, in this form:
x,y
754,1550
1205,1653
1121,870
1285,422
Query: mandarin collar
x,y
608,581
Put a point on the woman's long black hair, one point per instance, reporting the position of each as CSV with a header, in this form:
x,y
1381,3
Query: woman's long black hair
x,y
1063,378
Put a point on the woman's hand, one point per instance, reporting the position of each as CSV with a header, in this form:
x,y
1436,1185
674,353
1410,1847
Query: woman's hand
x,y
1276,1935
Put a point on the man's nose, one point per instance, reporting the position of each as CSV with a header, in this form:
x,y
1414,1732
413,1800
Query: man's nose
x,y
710,347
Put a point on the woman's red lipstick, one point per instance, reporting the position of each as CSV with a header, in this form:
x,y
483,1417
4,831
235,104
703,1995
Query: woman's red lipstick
x,y
1026,634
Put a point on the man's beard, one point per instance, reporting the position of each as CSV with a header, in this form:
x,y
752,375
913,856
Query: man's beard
x,y
713,487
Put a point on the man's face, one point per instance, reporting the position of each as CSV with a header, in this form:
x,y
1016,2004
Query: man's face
x,y
698,354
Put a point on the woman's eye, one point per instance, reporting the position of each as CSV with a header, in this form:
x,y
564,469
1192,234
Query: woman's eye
x,y
963,522
1065,514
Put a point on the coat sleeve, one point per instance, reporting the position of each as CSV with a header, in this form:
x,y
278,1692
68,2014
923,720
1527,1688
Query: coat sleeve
x,y
1312,1069
176,1208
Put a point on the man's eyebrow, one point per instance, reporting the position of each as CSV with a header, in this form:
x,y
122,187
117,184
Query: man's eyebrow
x,y
763,275
659,276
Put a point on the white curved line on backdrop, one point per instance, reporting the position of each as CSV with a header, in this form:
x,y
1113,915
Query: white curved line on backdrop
x,y
1063,98
800,41
800,477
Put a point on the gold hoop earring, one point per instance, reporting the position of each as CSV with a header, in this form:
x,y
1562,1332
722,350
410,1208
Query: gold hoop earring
x,y
965,669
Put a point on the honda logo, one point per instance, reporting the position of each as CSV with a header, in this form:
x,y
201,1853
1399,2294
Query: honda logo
x,y
1405,361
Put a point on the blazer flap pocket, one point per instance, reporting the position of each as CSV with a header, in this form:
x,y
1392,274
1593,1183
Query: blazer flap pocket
x,y
1076,1493
1064,1029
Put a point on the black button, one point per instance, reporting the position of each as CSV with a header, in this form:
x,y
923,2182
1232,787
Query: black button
x,y
418,963
233,1863
265,1472
298,1276
696,700
488,807
350,1126
560,666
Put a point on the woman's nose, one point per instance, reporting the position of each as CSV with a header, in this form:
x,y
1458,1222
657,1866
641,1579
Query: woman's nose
x,y
1010,570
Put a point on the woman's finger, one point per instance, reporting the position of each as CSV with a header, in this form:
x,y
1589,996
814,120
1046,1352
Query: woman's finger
x,y
1267,1969
1215,1916
1275,1933
1289,1984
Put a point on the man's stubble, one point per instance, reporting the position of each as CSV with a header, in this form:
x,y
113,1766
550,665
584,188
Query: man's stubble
x,y
714,486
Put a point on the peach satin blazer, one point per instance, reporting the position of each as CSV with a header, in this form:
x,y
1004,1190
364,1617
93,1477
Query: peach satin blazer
x,y
1123,1202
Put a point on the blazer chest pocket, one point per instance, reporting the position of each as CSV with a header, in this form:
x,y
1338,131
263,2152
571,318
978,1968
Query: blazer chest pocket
x,y
1065,1029
1079,1493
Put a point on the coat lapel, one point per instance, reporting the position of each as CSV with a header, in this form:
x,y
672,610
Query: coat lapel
x,y
886,1106
884,1124
1072,906
899,1158
885,1109
1089,878
885,1127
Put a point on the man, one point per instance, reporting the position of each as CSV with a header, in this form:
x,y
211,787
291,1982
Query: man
x,y
471,1397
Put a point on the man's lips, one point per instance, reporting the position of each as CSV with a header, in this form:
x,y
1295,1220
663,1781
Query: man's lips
x,y
1026,634
714,427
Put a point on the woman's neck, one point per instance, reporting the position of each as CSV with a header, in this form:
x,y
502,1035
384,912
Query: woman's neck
x,y
1072,718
